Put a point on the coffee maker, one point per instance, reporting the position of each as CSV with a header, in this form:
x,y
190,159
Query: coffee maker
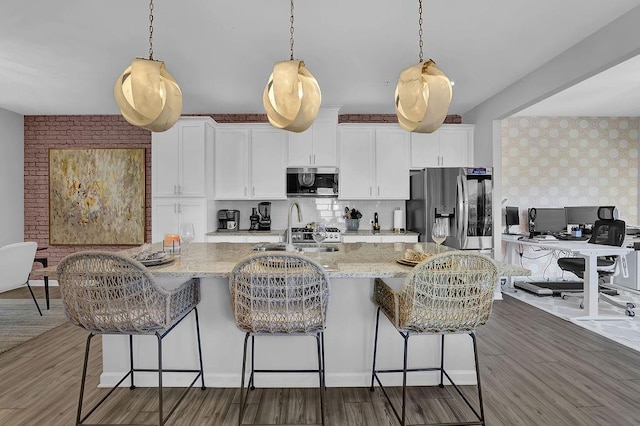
x,y
264,210
228,220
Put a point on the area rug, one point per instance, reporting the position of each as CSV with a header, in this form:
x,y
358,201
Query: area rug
x,y
20,322
626,330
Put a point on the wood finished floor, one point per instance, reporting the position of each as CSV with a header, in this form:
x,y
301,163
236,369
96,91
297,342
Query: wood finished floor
x,y
536,370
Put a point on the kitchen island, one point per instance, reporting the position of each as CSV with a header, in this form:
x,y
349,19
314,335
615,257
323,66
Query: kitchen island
x,y
348,337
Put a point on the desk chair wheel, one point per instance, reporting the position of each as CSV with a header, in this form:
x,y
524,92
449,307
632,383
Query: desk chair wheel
x,y
630,313
581,305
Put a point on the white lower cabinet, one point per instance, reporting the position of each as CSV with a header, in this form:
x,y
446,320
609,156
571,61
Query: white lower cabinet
x,y
257,238
395,238
169,213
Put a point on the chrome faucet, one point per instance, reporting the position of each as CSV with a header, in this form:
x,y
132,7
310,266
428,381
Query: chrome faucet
x,y
293,203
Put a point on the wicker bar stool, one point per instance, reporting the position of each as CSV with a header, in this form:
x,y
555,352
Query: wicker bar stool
x,y
281,294
448,293
107,293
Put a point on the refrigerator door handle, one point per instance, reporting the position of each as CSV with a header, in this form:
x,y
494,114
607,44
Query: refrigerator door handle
x,y
465,203
460,207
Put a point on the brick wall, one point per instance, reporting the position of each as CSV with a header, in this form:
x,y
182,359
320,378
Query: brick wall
x,y
87,131
105,131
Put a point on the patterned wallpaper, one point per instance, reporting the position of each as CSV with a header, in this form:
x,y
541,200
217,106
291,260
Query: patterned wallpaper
x,y
562,161
570,161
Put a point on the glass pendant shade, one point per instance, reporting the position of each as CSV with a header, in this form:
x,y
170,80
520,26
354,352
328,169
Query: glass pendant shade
x,y
148,96
291,97
422,97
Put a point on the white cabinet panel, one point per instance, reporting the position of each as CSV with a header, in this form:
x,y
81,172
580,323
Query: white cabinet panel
x,y
392,164
268,159
360,238
169,213
231,159
399,238
374,162
181,157
356,163
231,238
396,238
316,146
250,163
449,146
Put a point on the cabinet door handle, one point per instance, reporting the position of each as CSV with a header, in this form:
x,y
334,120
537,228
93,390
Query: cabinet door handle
x,y
179,189
310,159
245,191
314,159
370,191
253,191
378,190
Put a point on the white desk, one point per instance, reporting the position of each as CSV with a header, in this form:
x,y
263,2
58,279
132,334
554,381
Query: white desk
x,y
589,252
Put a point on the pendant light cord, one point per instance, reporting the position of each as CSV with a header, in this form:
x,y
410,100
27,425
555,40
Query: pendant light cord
x,y
291,30
151,30
420,26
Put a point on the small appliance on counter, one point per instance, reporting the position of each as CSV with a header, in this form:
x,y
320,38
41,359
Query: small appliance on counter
x,y
255,220
264,210
228,220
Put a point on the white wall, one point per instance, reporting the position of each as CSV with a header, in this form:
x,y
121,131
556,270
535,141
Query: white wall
x,y
12,181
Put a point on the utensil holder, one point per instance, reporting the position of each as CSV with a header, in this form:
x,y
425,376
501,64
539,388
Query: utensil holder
x,y
352,224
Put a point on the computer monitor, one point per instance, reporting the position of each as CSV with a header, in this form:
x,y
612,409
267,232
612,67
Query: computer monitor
x,y
547,220
512,217
582,215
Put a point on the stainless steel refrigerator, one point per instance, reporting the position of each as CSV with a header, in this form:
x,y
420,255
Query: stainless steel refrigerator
x,y
457,196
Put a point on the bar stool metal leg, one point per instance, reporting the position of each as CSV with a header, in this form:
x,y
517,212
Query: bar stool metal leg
x,y
375,350
244,367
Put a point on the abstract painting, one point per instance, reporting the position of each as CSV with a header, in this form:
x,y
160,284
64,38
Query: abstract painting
x,y
96,196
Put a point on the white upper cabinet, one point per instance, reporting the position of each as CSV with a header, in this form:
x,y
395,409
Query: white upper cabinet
x,y
250,162
374,162
316,146
449,146
182,157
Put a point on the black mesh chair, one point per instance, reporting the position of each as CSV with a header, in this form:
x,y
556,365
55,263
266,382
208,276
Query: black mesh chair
x,y
607,231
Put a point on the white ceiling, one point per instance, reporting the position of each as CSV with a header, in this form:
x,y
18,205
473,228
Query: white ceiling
x,y
63,56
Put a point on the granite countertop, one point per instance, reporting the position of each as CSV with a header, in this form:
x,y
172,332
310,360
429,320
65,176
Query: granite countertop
x,y
352,260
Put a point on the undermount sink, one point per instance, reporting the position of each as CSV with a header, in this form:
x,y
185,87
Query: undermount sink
x,y
313,248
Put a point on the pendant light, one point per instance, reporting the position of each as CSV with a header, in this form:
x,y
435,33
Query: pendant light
x,y
292,96
147,95
423,94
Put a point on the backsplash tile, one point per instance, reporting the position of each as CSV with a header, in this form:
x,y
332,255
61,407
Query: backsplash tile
x,y
324,210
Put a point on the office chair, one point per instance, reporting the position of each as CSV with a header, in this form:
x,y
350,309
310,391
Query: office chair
x,y
607,231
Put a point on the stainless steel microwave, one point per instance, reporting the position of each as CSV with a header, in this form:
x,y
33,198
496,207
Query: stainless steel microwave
x,y
312,182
